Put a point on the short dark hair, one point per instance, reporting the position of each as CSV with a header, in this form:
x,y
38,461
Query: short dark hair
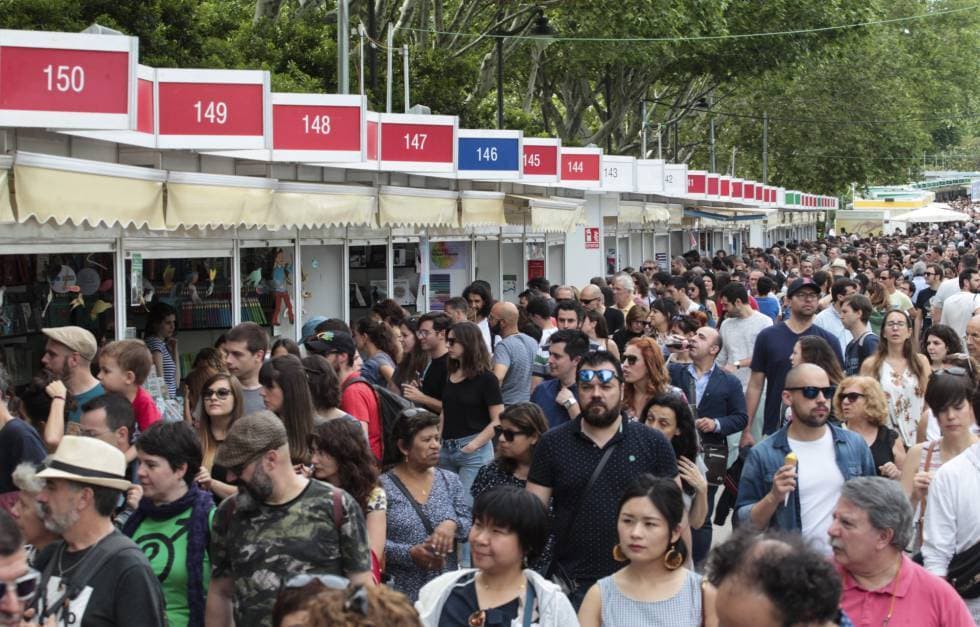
x,y
966,276
254,336
538,306
517,510
678,283
11,539
735,292
440,321
333,324
159,311
839,288
571,305
576,342
947,390
660,277
969,260
798,580
947,335
323,382
457,303
104,498
765,285
861,304
599,358
118,410
176,442
410,423
665,496
290,345
539,284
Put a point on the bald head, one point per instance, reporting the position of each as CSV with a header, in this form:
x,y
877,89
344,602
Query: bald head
x,y
506,314
591,297
807,375
973,337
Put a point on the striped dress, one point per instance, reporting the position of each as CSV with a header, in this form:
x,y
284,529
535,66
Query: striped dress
x,y
157,345
681,610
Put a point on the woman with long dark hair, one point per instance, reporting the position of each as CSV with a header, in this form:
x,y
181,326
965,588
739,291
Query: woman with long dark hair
x,y
662,311
286,393
325,391
374,342
902,372
159,336
813,349
635,327
471,404
652,588
594,326
222,403
341,456
521,426
414,358
207,363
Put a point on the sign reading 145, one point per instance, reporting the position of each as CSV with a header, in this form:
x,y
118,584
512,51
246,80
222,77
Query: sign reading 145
x,y
532,160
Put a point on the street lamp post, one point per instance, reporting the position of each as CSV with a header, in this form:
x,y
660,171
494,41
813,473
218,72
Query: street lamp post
x,y
541,30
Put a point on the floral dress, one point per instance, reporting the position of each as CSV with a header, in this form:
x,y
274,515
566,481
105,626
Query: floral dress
x,y
905,401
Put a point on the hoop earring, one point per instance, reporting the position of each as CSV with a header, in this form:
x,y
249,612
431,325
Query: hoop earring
x,y
673,558
618,554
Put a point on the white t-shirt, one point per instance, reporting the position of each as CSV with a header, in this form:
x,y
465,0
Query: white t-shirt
x,y
819,481
957,311
947,288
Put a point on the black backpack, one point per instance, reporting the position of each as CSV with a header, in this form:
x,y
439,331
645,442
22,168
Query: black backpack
x,y
390,406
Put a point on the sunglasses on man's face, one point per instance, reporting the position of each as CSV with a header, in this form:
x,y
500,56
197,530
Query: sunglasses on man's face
x,y
24,587
507,434
588,301
604,376
811,392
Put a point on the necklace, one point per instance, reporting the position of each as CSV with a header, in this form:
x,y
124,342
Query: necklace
x,y
891,606
62,571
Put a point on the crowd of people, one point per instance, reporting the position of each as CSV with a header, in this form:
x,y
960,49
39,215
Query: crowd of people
x,y
784,436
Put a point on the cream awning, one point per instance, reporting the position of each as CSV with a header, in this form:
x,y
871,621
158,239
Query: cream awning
x,y
655,212
310,205
409,206
547,215
6,209
630,212
482,208
215,200
82,191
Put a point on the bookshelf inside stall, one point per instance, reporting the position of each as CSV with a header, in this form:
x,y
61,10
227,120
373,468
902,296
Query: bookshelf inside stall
x,y
369,282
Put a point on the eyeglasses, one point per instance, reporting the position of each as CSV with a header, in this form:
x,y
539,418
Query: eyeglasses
x,y
221,393
851,397
604,376
630,359
24,586
508,434
357,597
450,341
896,324
811,392
423,333
648,269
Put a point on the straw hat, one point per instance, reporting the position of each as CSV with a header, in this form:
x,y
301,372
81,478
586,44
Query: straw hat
x,y
87,460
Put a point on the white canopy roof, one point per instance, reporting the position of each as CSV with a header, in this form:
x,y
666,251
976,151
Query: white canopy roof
x,y
933,212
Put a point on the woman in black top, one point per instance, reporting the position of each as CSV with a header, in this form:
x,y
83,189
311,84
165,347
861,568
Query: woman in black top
x,y
861,404
471,404
636,326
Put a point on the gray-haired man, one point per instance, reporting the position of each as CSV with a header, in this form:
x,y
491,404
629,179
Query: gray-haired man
x,y
872,525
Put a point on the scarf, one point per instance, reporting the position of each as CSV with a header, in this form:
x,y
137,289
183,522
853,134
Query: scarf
x,y
200,503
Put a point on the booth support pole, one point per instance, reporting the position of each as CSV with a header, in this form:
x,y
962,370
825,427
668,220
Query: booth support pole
x,y
297,289
119,287
390,265
236,280
345,277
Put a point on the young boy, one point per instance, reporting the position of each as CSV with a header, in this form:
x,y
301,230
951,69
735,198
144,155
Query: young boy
x,y
123,367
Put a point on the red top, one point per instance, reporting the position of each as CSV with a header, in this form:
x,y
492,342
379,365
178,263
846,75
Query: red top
x,y
145,409
921,600
359,401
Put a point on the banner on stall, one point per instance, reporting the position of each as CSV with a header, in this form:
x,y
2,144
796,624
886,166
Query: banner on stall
x,y
449,264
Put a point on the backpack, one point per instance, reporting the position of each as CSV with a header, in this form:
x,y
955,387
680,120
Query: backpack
x,y
390,407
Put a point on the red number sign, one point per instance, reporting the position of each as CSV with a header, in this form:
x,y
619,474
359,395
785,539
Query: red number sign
x,y
210,109
580,165
417,143
696,182
540,160
299,127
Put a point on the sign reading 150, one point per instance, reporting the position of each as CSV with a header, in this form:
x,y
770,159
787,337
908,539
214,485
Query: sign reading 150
x,y
65,78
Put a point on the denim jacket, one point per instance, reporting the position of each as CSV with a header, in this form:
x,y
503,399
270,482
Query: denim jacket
x,y
852,455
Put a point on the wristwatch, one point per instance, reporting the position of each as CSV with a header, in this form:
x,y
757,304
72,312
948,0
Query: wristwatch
x,y
569,402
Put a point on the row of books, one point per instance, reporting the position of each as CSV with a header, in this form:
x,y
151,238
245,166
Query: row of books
x,y
217,313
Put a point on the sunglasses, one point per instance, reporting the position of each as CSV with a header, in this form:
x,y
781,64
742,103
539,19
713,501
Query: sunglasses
x,y
507,434
630,359
811,392
851,397
450,341
586,301
604,376
221,393
956,371
357,598
24,586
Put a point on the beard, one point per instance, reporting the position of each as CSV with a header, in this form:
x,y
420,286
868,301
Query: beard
x,y
810,419
259,487
598,416
495,328
59,524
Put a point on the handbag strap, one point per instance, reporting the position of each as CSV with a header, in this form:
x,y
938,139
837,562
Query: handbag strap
x,y
529,604
922,511
426,522
595,475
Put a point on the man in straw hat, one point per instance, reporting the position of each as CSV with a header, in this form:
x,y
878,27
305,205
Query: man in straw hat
x,y
94,576
281,524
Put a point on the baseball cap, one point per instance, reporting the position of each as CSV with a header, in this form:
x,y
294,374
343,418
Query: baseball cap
x,y
802,283
309,327
327,342
77,339
249,437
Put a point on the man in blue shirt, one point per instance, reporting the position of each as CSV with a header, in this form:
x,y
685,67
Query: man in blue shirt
x,y
557,397
771,356
855,314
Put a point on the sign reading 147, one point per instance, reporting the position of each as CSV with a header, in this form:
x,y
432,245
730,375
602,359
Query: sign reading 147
x,y
415,141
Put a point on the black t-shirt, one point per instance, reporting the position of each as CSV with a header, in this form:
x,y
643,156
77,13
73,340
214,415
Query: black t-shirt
x,y
434,376
615,320
466,405
123,592
922,304
462,602
19,442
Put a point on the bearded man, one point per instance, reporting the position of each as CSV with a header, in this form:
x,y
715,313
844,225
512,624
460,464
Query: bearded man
x,y
586,464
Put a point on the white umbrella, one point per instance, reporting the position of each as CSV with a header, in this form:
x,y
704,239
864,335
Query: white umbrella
x,y
932,213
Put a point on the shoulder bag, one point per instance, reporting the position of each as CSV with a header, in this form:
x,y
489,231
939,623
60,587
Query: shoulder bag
x,y
556,573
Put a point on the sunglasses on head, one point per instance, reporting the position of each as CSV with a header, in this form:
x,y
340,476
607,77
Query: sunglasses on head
x,y
24,587
221,393
604,376
356,601
811,392
956,371
507,434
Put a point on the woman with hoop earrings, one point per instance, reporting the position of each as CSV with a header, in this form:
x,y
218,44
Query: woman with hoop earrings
x,y
652,588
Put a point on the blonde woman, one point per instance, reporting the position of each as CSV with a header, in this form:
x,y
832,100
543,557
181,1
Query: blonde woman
x,y
903,373
222,404
861,404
